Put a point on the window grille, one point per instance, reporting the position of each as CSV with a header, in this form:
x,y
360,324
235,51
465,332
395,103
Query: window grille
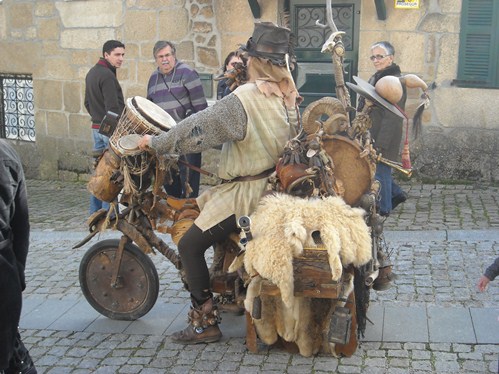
x,y
17,115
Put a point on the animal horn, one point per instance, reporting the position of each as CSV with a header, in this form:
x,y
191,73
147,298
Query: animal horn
x,y
395,165
329,106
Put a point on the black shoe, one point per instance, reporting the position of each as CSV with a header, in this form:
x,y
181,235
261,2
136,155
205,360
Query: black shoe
x,y
399,199
21,361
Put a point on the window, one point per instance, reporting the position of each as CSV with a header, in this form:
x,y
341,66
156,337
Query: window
x,y
17,118
479,44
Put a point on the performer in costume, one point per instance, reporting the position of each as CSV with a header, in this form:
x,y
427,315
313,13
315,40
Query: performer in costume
x,y
253,123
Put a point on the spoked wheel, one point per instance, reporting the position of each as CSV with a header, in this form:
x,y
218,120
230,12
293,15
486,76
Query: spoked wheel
x,y
137,286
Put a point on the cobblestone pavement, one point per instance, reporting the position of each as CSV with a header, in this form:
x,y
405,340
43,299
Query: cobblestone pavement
x,y
431,272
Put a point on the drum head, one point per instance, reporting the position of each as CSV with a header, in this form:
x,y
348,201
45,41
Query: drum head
x,y
153,113
349,168
128,145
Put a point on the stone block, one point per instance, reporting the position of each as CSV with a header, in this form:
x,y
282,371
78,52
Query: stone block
x,y
459,154
486,323
413,58
80,127
3,23
448,52
48,29
72,97
207,12
474,109
132,51
50,48
141,25
173,24
403,324
105,13
20,16
410,18
57,124
451,325
227,23
17,52
450,6
136,90
54,67
185,51
435,22
202,27
144,71
44,9
208,56
48,94
86,38
153,4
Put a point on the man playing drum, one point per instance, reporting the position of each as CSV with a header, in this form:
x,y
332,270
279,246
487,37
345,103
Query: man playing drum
x,y
253,123
176,87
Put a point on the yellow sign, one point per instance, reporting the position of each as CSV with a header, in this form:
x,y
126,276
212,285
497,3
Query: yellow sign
x,y
406,4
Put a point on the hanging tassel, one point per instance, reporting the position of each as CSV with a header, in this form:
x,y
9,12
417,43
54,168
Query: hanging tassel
x,y
406,157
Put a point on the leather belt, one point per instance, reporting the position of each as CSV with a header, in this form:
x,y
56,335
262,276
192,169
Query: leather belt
x,y
247,178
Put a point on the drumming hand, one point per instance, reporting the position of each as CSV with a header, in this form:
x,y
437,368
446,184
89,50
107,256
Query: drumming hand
x,y
145,142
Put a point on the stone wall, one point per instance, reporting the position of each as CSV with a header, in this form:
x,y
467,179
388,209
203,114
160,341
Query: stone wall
x,y
58,41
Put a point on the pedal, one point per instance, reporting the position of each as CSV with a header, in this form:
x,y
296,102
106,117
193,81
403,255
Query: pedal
x,y
341,322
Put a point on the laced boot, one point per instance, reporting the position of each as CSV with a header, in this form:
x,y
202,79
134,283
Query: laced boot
x,y
203,324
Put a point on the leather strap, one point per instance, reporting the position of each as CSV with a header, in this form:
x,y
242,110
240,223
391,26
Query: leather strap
x,y
247,178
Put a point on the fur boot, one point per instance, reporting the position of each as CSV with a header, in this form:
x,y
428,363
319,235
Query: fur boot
x,y
203,325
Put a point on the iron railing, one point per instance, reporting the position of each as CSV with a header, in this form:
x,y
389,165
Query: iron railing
x,y
17,115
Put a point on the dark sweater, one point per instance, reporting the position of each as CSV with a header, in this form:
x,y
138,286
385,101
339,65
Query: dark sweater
x,y
493,270
387,128
103,92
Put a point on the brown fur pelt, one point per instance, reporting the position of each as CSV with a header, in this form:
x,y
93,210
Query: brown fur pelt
x,y
282,226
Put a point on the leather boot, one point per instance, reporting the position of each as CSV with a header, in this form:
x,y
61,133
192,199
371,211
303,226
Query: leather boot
x,y
203,325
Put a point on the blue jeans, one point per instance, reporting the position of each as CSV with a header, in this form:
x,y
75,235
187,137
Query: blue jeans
x,y
389,188
100,143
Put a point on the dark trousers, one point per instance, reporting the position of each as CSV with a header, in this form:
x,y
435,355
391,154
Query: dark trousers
x,y
192,247
177,188
10,302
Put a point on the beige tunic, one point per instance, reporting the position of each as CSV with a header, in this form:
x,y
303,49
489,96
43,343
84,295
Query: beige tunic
x,y
270,125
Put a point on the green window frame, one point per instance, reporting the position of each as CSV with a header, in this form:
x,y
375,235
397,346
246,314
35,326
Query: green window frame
x,y
478,64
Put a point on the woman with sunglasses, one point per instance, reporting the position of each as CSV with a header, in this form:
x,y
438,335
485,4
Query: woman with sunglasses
x,y
387,128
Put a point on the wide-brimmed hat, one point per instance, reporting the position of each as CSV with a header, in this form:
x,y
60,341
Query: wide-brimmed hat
x,y
366,90
271,42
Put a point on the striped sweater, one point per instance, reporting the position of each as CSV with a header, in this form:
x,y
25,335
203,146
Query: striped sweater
x,y
177,92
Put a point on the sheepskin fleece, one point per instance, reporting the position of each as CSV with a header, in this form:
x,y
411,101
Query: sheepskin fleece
x,y
282,226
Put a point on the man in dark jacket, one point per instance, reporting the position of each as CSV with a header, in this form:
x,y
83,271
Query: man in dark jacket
x,y
103,94
14,244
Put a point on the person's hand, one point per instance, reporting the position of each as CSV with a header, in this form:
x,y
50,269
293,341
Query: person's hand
x,y
145,142
482,283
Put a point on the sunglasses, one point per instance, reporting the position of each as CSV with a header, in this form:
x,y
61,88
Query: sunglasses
x,y
378,57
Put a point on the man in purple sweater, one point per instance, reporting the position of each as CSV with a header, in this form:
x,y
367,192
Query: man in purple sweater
x,y
176,87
